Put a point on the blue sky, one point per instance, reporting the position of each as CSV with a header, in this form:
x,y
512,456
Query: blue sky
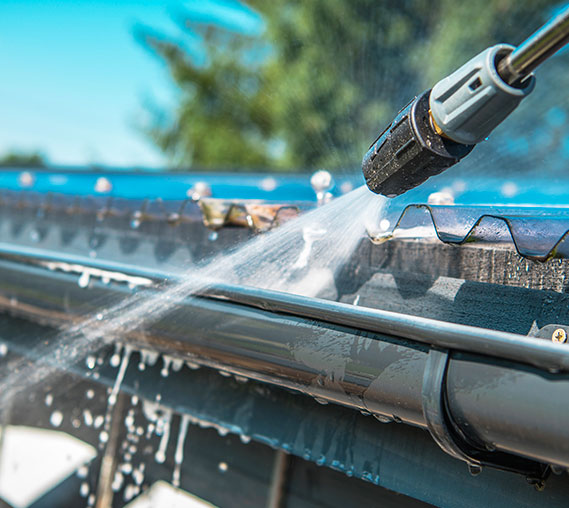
x,y
74,80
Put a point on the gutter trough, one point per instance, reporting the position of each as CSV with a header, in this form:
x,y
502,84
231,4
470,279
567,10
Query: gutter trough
x,y
487,397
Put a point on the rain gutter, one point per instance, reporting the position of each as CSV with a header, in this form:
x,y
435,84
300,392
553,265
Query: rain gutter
x,y
486,397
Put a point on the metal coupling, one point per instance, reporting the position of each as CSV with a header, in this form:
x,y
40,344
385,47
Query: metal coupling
x,y
470,103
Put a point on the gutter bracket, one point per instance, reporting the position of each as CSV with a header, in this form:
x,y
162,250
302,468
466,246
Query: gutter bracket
x,y
453,441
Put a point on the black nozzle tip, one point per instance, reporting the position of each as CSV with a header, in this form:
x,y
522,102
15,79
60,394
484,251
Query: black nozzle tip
x,y
409,151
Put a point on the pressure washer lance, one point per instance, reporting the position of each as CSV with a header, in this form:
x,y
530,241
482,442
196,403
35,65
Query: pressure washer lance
x,y
442,125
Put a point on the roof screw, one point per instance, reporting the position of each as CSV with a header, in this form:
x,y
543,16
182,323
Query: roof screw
x,y
559,335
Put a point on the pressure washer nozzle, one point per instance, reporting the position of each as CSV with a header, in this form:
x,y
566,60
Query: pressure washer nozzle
x,y
442,125
409,151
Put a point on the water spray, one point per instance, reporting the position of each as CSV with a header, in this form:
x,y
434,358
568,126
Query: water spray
x,y
442,125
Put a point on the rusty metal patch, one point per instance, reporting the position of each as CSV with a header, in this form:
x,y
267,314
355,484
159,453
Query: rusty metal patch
x,y
256,215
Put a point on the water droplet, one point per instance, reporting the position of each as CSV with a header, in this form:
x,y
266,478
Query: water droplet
x,y
165,370
56,418
99,317
129,422
26,179
117,481
103,185
321,460
83,281
115,360
222,466
149,357
213,236
179,453
383,418
48,399
103,436
84,489
177,364
82,472
138,475
3,349
135,223
91,362
320,400
126,468
130,491
163,428
87,417
245,439
90,394
474,469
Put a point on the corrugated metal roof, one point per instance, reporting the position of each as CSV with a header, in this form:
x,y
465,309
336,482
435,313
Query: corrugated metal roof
x,y
537,233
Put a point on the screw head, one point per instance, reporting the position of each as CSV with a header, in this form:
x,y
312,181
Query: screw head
x,y
559,335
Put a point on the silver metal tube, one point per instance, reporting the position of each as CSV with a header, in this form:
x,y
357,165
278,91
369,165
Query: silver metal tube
x,y
537,48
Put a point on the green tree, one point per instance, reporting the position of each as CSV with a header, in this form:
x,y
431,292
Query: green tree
x,y
23,159
324,77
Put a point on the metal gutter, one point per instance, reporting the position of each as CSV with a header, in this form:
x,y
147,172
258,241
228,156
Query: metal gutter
x,y
553,357
547,355
550,356
496,397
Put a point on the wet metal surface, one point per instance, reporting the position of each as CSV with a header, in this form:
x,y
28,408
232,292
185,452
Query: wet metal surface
x,y
399,457
319,351
537,233
307,346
